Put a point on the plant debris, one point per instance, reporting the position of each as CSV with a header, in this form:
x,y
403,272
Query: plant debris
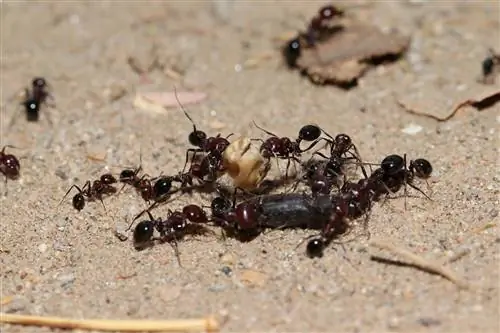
x,y
490,68
480,103
339,50
208,324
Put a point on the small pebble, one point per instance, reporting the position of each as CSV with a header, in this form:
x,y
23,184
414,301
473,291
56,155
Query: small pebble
x,y
428,321
227,270
412,129
66,280
227,259
217,288
42,247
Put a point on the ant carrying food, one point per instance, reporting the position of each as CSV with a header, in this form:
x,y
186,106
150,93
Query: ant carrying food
x,y
355,199
212,162
317,28
92,191
286,148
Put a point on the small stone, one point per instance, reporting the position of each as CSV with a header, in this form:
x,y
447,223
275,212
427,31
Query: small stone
x,y
428,321
42,247
227,270
412,129
217,288
227,259
66,280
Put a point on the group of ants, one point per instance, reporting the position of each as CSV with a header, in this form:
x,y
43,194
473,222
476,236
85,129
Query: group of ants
x,y
328,202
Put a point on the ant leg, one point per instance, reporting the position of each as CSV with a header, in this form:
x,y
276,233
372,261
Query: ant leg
x,y
73,186
418,189
175,246
312,145
190,150
320,155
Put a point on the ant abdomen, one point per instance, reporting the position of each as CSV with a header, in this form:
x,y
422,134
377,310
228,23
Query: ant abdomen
x,y
195,214
143,233
422,168
315,248
246,215
78,201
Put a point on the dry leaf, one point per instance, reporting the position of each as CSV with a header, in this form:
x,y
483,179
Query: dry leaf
x,y
157,101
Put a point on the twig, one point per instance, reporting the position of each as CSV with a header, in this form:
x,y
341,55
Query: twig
x,y
478,104
422,263
208,324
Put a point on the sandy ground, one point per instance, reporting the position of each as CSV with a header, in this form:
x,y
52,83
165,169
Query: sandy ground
x,y
64,263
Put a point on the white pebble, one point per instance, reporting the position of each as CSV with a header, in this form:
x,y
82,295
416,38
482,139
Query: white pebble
x,y
412,129
42,247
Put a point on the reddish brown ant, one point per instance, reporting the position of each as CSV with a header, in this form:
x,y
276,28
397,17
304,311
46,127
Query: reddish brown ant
x,y
286,148
9,164
212,162
92,190
175,227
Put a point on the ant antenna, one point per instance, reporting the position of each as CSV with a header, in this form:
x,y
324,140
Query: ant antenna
x,y
184,109
263,130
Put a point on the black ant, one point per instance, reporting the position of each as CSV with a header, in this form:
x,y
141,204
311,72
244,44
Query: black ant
x,y
33,99
315,31
92,190
286,148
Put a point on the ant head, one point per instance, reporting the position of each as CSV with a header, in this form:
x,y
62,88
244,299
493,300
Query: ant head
x,y
328,12
162,186
127,175
309,133
217,144
291,52
422,167
143,233
246,215
9,166
392,164
320,186
197,138
108,179
220,206
177,221
78,201
39,82
315,247
343,141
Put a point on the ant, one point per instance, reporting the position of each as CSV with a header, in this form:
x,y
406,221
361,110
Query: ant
x,y
9,165
176,226
33,99
315,31
212,163
92,190
286,148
